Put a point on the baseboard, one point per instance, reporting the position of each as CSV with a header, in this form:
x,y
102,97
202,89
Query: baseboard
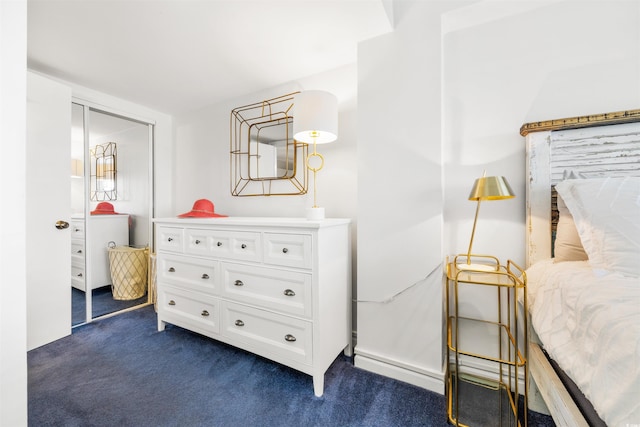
x,y
430,380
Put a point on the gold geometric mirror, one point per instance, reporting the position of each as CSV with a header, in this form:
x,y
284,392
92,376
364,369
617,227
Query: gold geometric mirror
x,y
265,160
104,170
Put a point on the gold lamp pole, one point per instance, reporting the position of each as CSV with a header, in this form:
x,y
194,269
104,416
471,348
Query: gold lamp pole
x,y
486,188
315,121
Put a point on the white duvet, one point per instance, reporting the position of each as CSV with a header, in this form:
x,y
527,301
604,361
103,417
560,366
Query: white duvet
x,y
590,325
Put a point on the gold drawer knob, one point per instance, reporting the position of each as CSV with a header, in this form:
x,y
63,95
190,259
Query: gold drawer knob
x,y
204,313
285,250
172,270
239,322
238,283
205,276
172,302
289,293
289,338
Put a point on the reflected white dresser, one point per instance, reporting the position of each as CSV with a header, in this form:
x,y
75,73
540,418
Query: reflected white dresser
x,y
104,229
277,287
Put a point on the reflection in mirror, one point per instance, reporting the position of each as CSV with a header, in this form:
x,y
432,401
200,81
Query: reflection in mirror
x,y
104,168
123,222
265,159
271,154
78,301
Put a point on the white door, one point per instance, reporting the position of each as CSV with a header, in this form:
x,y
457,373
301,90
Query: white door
x,y
48,198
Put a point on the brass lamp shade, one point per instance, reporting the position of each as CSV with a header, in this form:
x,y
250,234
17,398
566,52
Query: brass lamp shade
x,y
486,188
491,188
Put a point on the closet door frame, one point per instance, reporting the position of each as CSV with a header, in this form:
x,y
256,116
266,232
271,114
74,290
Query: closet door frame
x,y
88,107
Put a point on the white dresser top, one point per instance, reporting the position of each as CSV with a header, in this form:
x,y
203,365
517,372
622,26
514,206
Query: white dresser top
x,y
255,222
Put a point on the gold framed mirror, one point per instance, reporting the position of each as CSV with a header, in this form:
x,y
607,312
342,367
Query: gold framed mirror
x,y
265,160
104,168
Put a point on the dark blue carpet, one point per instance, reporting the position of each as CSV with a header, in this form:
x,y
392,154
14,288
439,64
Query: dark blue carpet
x,y
102,303
121,372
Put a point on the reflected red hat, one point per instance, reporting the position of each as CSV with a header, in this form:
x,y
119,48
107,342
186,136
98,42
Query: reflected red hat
x,y
104,208
202,208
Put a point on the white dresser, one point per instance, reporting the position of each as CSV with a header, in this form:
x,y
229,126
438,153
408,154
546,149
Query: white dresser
x,y
277,287
103,229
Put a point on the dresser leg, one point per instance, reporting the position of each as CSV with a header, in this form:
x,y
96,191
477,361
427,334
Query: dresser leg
x,y
348,350
318,384
161,325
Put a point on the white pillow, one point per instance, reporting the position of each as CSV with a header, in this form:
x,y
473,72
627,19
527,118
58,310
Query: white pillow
x,y
606,212
567,245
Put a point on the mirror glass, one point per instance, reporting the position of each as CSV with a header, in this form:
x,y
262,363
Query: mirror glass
x,y
104,169
265,159
112,209
78,296
271,150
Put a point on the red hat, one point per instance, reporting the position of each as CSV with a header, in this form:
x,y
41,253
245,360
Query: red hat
x,y
104,208
202,208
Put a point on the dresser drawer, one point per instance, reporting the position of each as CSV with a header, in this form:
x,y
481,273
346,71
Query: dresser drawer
x,y
282,290
191,310
238,245
194,273
77,230
289,250
170,239
77,275
268,334
77,247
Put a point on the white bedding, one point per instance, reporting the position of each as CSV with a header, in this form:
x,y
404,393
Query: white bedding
x,y
589,323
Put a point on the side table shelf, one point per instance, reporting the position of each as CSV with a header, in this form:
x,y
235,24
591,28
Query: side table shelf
x,y
485,377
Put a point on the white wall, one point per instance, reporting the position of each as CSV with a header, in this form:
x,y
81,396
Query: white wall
x,y
202,156
13,294
547,62
503,64
400,199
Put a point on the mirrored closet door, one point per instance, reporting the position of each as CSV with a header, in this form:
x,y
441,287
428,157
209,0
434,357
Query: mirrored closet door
x,y
111,211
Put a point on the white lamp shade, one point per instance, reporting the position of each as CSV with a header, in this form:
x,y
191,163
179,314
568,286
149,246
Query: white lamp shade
x,y
315,117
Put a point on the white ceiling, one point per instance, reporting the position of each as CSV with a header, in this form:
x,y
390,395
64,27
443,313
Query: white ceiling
x,y
181,55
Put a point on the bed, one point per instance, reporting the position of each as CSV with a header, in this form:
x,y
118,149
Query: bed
x,y
583,267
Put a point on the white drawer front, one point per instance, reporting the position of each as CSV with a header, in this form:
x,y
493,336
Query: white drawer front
x,y
170,239
268,333
239,245
77,229
77,247
188,309
290,250
195,273
77,275
285,291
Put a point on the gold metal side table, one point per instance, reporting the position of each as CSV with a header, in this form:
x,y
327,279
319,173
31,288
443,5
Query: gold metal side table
x,y
485,377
